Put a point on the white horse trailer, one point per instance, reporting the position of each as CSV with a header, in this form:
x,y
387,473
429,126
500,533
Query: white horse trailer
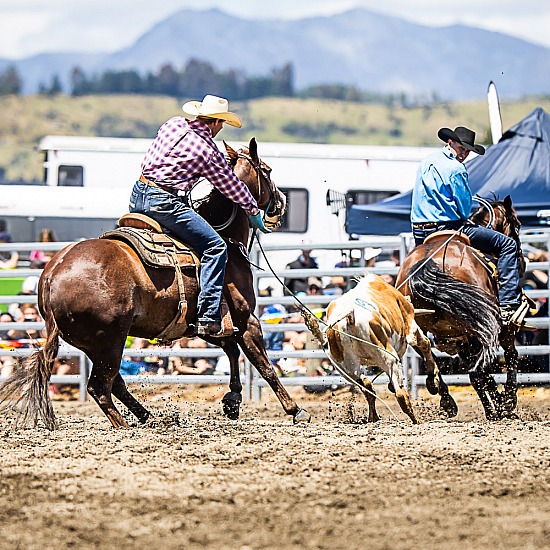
x,y
87,183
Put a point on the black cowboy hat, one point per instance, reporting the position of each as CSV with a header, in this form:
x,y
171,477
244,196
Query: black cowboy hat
x,y
464,136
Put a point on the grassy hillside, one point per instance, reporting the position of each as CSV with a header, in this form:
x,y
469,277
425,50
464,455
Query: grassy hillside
x,y
25,120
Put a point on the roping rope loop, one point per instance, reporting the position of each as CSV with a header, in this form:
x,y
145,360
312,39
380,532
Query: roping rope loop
x,y
487,205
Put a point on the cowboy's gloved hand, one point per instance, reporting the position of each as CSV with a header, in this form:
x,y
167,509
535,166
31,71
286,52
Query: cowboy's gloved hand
x,y
257,223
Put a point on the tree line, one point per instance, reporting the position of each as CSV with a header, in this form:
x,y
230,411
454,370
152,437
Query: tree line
x,y
196,79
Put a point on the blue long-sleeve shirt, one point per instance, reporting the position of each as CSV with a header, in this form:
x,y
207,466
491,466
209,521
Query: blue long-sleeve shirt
x,y
441,192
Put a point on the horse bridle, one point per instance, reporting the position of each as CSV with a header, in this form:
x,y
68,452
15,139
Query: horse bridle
x,y
274,207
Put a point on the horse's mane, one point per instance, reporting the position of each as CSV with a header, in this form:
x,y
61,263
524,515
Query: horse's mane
x,y
217,209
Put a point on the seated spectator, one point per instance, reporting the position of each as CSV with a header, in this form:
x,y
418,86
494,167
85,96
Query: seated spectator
x,y
7,365
273,315
537,278
155,364
6,318
388,277
29,314
191,365
223,366
336,287
28,288
63,366
368,255
325,368
314,286
8,260
298,285
396,257
46,236
133,365
293,366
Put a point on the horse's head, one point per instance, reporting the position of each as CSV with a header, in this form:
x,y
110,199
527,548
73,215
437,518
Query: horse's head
x,y
503,219
251,170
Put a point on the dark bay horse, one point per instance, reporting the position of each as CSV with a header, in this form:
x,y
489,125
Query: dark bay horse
x,y
450,280
95,293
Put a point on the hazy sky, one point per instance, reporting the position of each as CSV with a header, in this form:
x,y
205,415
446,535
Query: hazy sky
x,y
28,27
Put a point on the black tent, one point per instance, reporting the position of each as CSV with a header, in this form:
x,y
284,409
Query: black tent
x,y
518,165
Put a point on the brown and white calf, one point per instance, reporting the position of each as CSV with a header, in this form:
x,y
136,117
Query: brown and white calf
x,y
371,325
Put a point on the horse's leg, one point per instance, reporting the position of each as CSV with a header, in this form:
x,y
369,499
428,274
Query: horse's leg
x,y
447,403
509,399
487,390
120,391
105,369
232,400
482,382
252,344
434,382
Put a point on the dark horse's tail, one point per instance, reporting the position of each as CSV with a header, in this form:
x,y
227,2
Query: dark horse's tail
x,y
27,389
473,308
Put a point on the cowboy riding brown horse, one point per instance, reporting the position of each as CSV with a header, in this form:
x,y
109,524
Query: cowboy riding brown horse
x,y
95,293
458,288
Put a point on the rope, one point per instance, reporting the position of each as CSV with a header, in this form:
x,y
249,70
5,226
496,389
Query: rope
x,y
431,256
306,309
337,367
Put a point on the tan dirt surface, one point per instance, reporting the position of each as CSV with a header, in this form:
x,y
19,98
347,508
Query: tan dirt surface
x,y
192,479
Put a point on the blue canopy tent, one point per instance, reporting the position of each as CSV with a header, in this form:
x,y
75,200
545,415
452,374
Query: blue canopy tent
x,y
518,165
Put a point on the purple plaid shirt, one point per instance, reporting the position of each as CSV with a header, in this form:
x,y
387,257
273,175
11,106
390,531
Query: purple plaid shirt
x,y
184,152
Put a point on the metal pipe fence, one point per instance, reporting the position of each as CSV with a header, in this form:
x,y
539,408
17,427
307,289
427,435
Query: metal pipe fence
x,y
252,382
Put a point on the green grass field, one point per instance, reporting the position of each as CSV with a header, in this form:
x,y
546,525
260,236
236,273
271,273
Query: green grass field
x,y
26,119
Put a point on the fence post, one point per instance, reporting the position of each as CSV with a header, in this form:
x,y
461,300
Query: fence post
x,y
83,382
414,374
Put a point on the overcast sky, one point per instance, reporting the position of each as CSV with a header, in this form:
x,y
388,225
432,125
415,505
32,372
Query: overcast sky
x,y
28,27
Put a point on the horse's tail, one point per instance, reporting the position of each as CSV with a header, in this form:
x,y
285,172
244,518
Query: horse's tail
x,y
471,306
26,390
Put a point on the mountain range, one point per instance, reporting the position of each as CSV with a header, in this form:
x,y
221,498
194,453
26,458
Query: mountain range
x,y
374,52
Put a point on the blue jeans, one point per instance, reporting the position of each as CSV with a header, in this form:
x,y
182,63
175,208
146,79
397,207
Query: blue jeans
x,y
184,223
490,242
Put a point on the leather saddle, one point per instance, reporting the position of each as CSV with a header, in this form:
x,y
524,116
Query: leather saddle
x,y
155,248
159,250
486,262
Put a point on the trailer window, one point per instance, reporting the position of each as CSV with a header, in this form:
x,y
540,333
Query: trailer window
x,y
367,197
296,218
70,176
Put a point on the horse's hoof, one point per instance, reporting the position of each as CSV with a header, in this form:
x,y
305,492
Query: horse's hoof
x,y
231,410
509,402
448,404
302,416
431,384
492,416
142,418
232,405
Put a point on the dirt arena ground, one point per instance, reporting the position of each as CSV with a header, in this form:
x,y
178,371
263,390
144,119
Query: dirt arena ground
x,y
192,479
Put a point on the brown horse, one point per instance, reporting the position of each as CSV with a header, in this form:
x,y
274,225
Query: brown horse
x,y
450,280
95,293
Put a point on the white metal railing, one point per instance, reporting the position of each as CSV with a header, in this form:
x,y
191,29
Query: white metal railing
x,y
252,382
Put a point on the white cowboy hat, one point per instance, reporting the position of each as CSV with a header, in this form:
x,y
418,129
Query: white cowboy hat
x,y
213,107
